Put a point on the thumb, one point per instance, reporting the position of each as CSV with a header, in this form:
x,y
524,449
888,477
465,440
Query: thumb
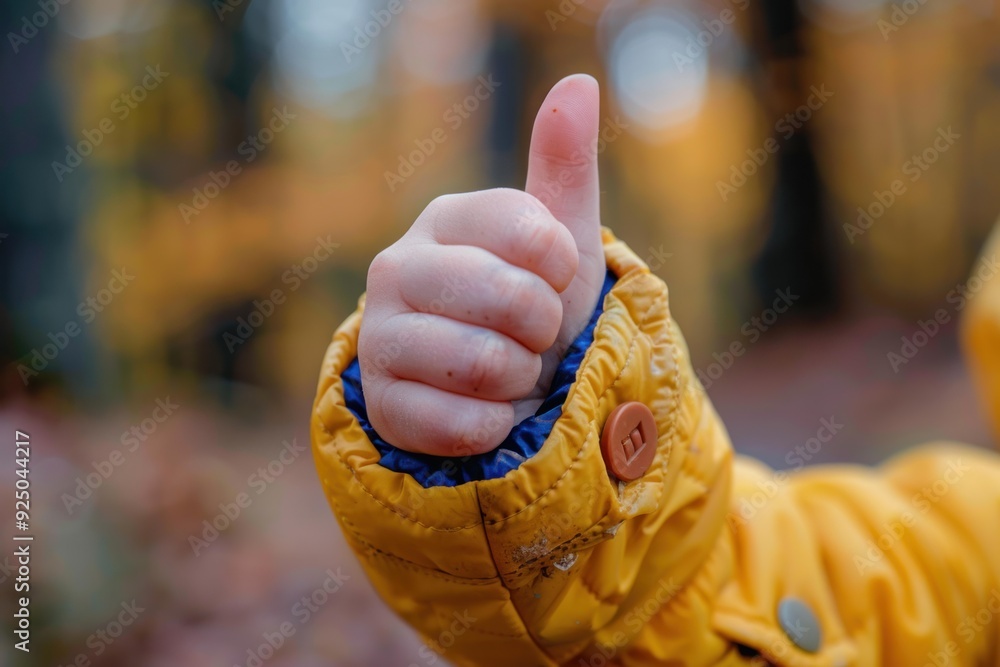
x,y
562,174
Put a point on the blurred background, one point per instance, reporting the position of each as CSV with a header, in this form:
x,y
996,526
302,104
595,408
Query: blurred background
x,y
191,194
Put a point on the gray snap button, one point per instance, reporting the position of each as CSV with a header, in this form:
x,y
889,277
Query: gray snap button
x,y
800,624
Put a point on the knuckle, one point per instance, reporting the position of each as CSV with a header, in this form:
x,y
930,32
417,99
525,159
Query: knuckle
x,y
535,204
540,237
385,267
546,245
512,194
560,161
441,202
517,201
372,357
382,346
446,216
440,207
515,293
489,363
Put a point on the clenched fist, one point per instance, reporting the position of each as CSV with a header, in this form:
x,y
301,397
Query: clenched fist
x,y
468,314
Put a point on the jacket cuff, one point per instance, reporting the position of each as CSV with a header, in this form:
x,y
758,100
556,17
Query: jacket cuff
x,y
529,554
523,442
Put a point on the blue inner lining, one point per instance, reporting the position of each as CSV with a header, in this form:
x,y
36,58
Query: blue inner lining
x,y
522,443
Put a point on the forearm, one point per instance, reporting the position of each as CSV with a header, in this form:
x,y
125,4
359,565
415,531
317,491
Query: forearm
x,y
528,554
698,560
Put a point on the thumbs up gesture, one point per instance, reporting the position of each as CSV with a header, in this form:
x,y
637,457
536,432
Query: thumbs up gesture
x,y
469,313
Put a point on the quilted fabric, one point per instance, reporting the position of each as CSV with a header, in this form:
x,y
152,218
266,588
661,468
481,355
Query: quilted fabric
x,y
558,563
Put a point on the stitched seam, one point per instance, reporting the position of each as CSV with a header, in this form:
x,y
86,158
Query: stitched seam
x,y
667,339
591,422
575,544
395,511
445,620
576,459
628,362
475,630
338,383
419,569
423,571
555,484
510,599
671,433
570,467
671,340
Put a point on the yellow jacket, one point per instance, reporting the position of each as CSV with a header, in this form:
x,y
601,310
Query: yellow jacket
x,y
706,559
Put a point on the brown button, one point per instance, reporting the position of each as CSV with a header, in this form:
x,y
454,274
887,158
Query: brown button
x,y
628,441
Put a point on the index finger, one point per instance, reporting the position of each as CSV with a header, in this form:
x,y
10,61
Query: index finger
x,y
511,224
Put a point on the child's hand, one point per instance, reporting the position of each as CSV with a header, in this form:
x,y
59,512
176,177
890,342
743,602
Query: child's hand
x,y
469,313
